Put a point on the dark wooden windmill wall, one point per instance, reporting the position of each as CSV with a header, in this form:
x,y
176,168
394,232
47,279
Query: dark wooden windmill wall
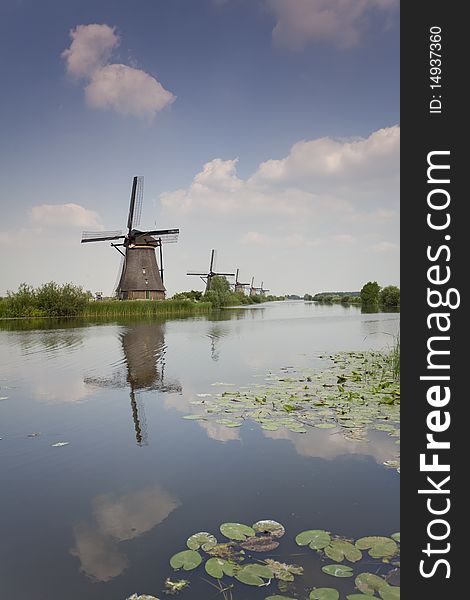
x,y
141,278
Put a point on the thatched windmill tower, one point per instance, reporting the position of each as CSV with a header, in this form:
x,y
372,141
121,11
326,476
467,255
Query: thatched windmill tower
x,y
140,277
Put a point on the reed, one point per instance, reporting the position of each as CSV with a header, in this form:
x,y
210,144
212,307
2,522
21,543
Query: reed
x,y
147,308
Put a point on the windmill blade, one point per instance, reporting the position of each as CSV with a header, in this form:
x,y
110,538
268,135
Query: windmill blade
x,y
167,236
225,274
100,236
212,265
139,197
132,205
196,273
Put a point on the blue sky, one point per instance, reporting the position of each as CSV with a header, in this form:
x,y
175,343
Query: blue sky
x,y
268,129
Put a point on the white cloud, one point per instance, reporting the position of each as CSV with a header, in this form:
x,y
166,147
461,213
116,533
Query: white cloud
x,y
90,49
341,22
319,178
125,89
385,247
65,215
344,238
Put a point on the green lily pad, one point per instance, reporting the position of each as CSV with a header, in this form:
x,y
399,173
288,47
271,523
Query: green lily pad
x,y
236,531
316,539
230,422
141,597
283,571
324,594
338,570
253,574
218,567
203,540
194,417
390,593
187,559
325,425
369,583
396,536
378,546
274,528
338,550
360,597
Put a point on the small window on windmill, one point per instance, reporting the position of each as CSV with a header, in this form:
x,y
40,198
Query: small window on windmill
x,y
146,282
143,270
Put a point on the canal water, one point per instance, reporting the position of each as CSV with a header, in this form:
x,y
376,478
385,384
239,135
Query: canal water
x,y
98,516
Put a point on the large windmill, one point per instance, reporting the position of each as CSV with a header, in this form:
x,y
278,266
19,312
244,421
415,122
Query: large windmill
x,y
238,285
208,276
140,276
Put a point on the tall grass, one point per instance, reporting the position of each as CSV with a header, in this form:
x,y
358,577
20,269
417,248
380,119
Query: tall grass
x,y
144,308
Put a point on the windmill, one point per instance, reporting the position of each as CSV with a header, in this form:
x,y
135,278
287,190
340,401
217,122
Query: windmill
x,y
257,290
207,277
238,285
140,276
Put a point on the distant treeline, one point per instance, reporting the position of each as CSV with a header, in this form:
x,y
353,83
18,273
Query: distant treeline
x,y
371,296
68,300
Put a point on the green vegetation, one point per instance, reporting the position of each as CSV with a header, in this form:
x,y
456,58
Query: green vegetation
x,y
221,295
390,296
334,297
230,562
370,294
54,300
48,300
371,297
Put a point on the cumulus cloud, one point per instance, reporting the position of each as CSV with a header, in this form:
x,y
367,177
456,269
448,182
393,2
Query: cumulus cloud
x,y
65,215
318,178
125,89
341,22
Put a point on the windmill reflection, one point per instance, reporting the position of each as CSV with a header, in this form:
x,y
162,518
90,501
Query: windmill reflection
x,y
144,350
215,334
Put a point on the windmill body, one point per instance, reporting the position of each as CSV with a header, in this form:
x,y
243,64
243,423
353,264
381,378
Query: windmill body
x,y
141,278
239,286
208,276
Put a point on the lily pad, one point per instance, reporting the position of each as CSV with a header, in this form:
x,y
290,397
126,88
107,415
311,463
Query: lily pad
x,y
141,597
316,539
274,528
187,559
338,570
253,574
369,583
325,425
360,597
378,546
260,543
284,571
194,417
390,593
396,536
236,531
173,587
203,540
218,567
338,550
324,594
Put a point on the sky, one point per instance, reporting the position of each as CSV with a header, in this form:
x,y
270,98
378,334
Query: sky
x,y
266,129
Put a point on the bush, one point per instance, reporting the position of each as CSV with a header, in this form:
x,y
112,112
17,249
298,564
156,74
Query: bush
x,y
370,293
390,296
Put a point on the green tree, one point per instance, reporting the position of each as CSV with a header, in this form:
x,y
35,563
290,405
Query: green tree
x,y
219,294
390,296
370,293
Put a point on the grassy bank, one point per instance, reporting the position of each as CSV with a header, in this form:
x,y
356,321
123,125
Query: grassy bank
x,y
144,308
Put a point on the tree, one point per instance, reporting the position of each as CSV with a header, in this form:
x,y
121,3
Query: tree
x,y
390,296
370,293
219,294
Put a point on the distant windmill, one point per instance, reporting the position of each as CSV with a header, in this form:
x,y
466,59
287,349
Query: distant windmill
x,y
207,277
257,290
140,277
238,285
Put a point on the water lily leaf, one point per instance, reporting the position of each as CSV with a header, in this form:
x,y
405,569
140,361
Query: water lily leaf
x,y
338,570
194,417
324,594
227,551
259,570
218,567
173,587
360,597
236,531
260,543
187,559
370,583
338,550
230,422
274,528
396,536
390,593
283,571
203,540
270,426
141,597
379,547
325,425
248,578
315,538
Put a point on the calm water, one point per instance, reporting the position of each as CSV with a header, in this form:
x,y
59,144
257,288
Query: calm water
x,y
99,518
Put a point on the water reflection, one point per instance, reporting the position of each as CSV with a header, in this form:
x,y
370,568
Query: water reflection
x,y
215,334
116,519
144,348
